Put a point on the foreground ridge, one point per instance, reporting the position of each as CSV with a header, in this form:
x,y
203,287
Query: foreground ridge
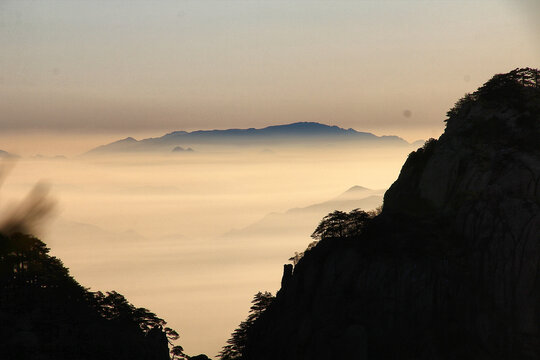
x,y
449,269
46,314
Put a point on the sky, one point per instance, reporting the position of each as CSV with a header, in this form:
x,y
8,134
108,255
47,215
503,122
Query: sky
x,y
75,74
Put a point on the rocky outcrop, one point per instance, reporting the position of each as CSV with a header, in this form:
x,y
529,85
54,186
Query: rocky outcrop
x,y
451,267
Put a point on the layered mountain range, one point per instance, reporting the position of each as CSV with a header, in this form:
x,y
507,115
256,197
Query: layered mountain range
x,y
450,269
299,133
300,221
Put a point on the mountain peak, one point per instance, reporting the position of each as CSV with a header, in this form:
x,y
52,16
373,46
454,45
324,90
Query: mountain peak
x,y
489,131
449,268
356,189
506,109
308,128
303,127
128,139
298,133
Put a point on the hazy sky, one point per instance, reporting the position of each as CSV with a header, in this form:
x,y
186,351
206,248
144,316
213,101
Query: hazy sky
x,y
115,68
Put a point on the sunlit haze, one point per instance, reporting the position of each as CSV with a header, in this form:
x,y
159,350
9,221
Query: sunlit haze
x,y
186,233
132,67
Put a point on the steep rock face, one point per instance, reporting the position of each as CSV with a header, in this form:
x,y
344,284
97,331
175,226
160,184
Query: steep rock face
x,y
451,267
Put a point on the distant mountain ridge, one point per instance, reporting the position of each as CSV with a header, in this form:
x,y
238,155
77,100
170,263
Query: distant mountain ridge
x,y
294,133
300,221
298,128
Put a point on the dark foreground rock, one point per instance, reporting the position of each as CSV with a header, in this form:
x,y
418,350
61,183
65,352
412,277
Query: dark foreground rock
x,y
451,267
46,315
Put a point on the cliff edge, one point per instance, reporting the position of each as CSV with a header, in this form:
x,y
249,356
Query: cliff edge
x,y
450,269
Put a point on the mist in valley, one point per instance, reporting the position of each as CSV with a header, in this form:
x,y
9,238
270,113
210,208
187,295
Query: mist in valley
x,y
193,236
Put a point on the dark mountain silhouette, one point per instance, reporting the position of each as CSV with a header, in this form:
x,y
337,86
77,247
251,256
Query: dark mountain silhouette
x,y
292,134
46,314
448,270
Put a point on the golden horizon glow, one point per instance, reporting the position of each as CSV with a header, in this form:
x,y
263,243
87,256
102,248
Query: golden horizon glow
x,y
128,68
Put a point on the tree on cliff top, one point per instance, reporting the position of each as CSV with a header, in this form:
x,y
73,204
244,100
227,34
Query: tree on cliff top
x,y
338,224
515,88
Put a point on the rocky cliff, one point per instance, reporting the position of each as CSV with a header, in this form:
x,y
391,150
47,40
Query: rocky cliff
x,y
450,269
